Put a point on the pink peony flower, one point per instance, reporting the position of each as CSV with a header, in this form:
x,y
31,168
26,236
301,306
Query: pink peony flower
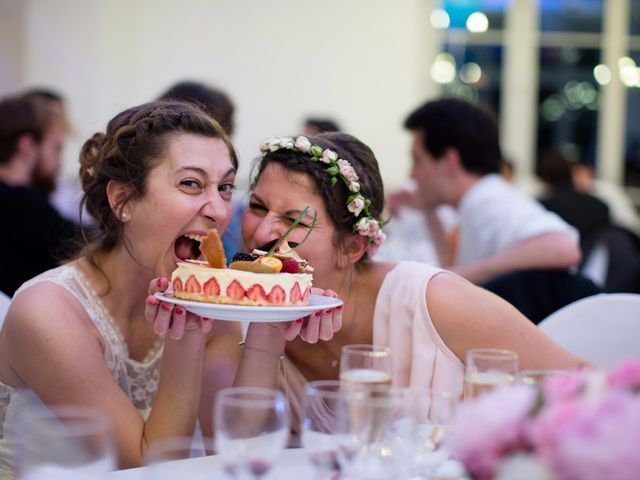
x,y
485,430
560,388
329,156
583,440
625,376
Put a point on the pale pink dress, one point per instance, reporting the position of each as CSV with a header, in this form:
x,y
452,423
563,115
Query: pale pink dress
x,y
401,321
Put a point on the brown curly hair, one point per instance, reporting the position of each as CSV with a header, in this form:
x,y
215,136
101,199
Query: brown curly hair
x,y
131,147
335,197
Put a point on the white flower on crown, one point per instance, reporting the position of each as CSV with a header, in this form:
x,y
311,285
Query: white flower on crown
x,y
287,143
303,144
329,156
356,205
274,144
347,170
354,187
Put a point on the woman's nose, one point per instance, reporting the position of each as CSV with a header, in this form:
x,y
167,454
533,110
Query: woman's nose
x,y
216,209
267,230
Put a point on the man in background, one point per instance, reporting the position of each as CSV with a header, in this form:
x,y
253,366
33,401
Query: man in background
x,y
35,236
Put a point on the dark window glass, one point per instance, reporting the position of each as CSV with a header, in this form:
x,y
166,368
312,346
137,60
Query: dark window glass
x,y
571,15
632,137
634,28
568,100
477,74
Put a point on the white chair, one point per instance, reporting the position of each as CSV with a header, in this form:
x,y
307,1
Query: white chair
x,y
601,329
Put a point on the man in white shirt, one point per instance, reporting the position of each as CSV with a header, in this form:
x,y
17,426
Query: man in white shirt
x,y
456,160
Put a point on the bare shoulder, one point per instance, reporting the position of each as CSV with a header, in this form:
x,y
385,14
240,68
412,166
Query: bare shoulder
x,y
42,320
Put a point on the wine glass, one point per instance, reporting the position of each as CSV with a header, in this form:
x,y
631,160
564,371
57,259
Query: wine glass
x,y
334,425
367,365
252,428
537,377
488,368
161,458
64,442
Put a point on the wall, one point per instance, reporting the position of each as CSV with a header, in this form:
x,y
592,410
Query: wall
x,y
364,62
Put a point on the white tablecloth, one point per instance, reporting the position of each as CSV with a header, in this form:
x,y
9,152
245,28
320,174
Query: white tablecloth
x,y
293,464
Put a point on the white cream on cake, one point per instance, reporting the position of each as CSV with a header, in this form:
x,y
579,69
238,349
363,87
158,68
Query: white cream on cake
x,y
193,280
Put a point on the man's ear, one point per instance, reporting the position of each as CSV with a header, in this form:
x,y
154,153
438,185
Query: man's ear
x,y
27,145
118,194
452,161
353,248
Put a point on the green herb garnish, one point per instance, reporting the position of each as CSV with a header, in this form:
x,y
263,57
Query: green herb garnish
x,y
295,223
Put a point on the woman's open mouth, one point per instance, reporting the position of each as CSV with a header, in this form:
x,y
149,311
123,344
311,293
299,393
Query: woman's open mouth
x,y
187,247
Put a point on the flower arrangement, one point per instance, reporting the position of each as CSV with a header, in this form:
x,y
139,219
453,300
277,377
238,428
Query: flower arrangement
x,y
337,168
578,426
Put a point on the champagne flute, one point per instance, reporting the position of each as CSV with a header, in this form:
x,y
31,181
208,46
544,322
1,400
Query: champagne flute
x,y
367,365
64,442
488,368
538,377
334,426
252,428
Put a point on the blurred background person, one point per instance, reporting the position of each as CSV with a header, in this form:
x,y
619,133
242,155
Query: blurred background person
x,y
36,236
219,106
316,125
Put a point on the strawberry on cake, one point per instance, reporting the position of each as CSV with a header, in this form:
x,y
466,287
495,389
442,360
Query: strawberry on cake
x,y
258,279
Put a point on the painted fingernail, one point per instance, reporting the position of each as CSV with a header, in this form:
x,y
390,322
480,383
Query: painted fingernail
x,y
299,320
159,282
318,314
339,307
179,311
165,307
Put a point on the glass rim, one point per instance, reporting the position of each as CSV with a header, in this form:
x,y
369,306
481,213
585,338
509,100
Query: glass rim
x,y
491,353
263,397
77,419
370,350
318,388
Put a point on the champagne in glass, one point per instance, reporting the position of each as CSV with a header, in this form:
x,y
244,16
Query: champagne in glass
x,y
488,368
366,365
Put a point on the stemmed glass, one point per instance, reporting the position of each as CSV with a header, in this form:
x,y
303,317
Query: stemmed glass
x,y
252,428
64,442
368,365
488,368
161,458
334,427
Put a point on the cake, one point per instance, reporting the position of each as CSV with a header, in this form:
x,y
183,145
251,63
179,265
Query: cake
x,y
255,279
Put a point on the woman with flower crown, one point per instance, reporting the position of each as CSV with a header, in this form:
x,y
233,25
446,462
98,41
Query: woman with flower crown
x,y
429,317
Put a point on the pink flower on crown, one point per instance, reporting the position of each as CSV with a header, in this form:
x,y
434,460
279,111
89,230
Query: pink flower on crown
x,y
365,226
329,156
356,205
347,170
303,144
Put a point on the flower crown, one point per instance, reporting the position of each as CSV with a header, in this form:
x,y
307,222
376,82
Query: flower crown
x,y
337,168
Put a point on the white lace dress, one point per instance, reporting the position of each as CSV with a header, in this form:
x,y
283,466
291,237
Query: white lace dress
x,y
138,379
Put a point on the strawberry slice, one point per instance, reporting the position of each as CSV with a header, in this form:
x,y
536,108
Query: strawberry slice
x,y
235,291
177,285
295,294
305,295
256,293
192,285
211,287
277,295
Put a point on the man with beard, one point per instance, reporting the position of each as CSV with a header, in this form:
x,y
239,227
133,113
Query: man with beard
x,y
35,236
